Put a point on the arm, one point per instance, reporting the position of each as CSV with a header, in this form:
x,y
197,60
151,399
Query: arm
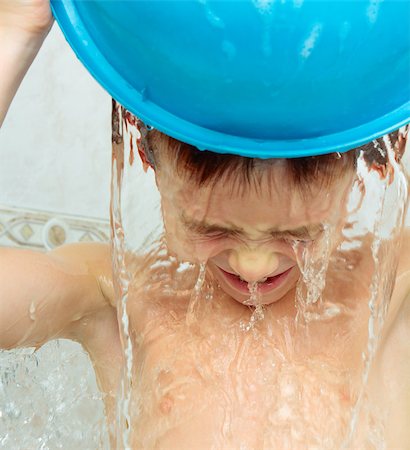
x,y
24,24
54,295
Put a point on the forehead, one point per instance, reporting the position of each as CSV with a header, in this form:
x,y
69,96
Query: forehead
x,y
258,207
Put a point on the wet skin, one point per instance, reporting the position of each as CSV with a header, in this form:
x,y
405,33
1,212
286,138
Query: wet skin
x,y
250,234
212,383
253,374
234,233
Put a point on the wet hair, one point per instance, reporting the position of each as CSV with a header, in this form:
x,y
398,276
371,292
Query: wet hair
x,y
205,168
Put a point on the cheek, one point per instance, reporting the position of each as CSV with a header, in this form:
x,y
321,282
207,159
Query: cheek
x,y
213,248
219,250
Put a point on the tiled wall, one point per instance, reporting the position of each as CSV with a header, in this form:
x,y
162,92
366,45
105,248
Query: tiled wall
x,y
42,230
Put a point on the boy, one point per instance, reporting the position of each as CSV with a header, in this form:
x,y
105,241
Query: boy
x,y
213,385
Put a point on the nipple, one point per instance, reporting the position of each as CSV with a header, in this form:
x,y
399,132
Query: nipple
x,y
166,404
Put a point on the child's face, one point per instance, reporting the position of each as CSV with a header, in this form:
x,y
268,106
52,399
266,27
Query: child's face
x,y
247,235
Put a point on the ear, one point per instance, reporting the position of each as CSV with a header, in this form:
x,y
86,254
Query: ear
x,y
142,146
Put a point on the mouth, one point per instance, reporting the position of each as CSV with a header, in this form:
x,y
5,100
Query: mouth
x,y
267,285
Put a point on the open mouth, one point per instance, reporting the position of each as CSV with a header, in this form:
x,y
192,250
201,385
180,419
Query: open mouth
x,y
268,284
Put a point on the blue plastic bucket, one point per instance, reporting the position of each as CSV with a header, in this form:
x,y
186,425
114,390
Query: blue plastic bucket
x,y
259,78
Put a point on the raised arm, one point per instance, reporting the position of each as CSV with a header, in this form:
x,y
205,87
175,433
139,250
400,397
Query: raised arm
x,y
24,24
58,294
54,295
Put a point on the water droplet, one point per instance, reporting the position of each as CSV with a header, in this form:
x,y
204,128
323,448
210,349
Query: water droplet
x,y
213,18
144,94
259,311
192,312
229,49
373,10
254,294
210,293
264,6
311,40
32,311
379,148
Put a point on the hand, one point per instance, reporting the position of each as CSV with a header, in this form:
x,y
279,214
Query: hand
x,y
24,24
28,18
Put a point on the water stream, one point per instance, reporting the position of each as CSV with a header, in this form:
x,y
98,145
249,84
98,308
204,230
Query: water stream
x,y
371,232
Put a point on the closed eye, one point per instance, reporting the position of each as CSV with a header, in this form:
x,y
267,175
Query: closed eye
x,y
293,239
213,235
304,238
210,234
219,234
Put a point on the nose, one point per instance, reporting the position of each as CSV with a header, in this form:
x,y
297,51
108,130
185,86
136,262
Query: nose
x,y
253,264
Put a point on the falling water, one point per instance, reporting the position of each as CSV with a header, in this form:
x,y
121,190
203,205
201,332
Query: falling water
x,y
385,265
258,311
377,186
125,136
314,305
196,296
313,262
121,281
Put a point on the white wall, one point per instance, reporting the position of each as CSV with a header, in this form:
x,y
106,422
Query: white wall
x,y
55,144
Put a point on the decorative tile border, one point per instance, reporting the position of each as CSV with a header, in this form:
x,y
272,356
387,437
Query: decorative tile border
x,y
43,230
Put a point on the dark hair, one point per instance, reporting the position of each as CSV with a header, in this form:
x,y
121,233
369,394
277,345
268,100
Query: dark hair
x,y
207,168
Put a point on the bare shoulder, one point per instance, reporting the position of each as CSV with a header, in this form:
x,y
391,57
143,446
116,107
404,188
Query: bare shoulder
x,y
90,262
96,325
90,259
46,296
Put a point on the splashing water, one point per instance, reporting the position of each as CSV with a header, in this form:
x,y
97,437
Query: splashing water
x,y
383,276
257,316
225,371
254,298
49,397
196,296
313,261
121,283
376,187
258,313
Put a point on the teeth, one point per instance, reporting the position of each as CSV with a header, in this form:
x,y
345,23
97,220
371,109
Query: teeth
x,y
259,281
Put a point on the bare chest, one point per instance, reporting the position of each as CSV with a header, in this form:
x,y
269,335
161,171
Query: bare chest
x,y
212,385
209,384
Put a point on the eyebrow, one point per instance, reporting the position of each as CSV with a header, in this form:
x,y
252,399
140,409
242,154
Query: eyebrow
x,y
203,227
